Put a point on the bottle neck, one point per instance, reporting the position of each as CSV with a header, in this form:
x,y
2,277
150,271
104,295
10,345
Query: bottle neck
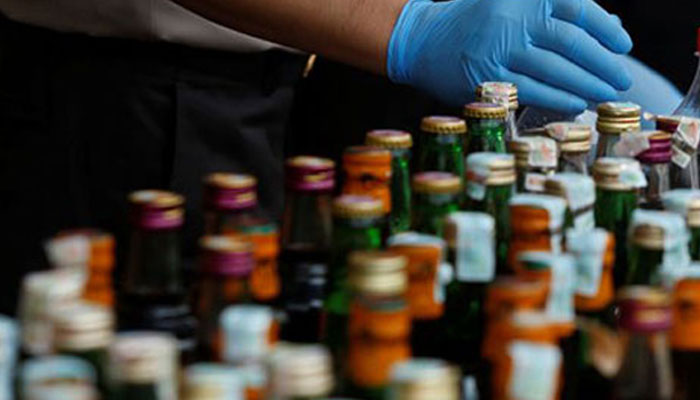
x,y
690,106
153,266
307,220
217,222
646,367
644,265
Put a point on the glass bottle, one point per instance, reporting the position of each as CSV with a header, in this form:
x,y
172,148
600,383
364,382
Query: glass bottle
x,y
490,185
536,222
56,372
379,323
441,145
574,145
685,133
367,172
427,276
645,318
471,240
690,106
399,143
85,330
617,181
684,338
655,165
264,282
143,365
658,245
686,203
301,372
535,160
436,194
424,379
578,191
152,290
229,200
357,225
505,94
613,119
209,381
306,240
224,270
486,127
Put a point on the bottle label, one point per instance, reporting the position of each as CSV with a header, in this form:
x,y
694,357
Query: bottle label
x,y
534,372
543,152
588,248
685,331
560,304
534,182
475,256
685,141
264,279
476,183
631,144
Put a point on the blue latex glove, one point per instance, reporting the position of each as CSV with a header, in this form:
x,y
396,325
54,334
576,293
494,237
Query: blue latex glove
x,y
558,52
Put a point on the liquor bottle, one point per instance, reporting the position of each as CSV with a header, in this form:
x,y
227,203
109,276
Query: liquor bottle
x,y
655,165
153,292
685,133
209,381
645,318
486,127
424,379
9,346
471,240
85,330
264,282
357,225
441,145
367,172
143,365
690,106
305,242
686,203
617,183
436,194
229,200
224,270
535,159
574,145
578,191
302,372
505,94
536,222
399,143
61,373
658,243
427,276
490,180
614,118
685,341
379,323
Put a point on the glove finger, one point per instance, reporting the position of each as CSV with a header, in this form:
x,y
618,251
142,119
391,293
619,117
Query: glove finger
x,y
571,42
535,93
596,21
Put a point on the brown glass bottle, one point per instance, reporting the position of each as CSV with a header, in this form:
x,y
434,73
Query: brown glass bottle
x,y
229,201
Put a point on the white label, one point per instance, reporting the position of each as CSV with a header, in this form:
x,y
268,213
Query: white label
x,y
543,152
535,182
689,131
445,275
560,304
588,273
633,177
631,144
535,371
680,157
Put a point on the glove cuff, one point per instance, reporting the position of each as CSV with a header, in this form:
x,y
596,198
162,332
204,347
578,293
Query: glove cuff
x,y
398,59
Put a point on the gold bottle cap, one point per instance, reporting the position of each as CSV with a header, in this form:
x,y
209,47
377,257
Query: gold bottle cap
x,y
143,357
617,117
685,202
156,199
434,182
572,137
646,294
225,180
300,371
377,272
498,92
491,169
389,139
309,162
425,379
485,111
443,125
656,230
618,174
83,326
353,206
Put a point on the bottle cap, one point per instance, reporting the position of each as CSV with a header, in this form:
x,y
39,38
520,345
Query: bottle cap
x,y
389,139
40,371
491,169
504,93
230,192
424,379
509,293
143,357
247,331
226,256
572,137
618,174
617,117
301,371
534,151
210,381
309,174
442,125
434,182
685,202
485,111
685,331
353,206
657,230
659,151
577,189
83,326
668,123
156,210
377,272
644,309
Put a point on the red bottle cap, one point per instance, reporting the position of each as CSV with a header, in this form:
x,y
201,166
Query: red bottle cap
x,y
309,174
230,192
156,210
226,256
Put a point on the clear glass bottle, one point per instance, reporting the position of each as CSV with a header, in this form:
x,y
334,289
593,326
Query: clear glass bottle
x,y
306,242
690,106
686,136
535,159
424,379
302,372
229,200
684,337
486,127
505,94
441,145
367,172
436,194
209,381
655,165
646,371
613,119
574,145
399,143
686,203
578,191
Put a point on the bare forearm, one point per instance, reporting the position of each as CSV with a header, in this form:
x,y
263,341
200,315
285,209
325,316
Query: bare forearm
x,y
356,32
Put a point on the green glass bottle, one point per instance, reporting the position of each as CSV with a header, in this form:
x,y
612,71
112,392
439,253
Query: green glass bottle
x,y
441,145
486,124
578,191
436,194
658,246
617,181
615,118
399,143
686,202
574,145
535,160
300,372
424,378
505,94
490,185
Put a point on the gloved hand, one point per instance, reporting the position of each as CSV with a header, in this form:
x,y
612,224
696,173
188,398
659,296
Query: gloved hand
x,y
558,52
